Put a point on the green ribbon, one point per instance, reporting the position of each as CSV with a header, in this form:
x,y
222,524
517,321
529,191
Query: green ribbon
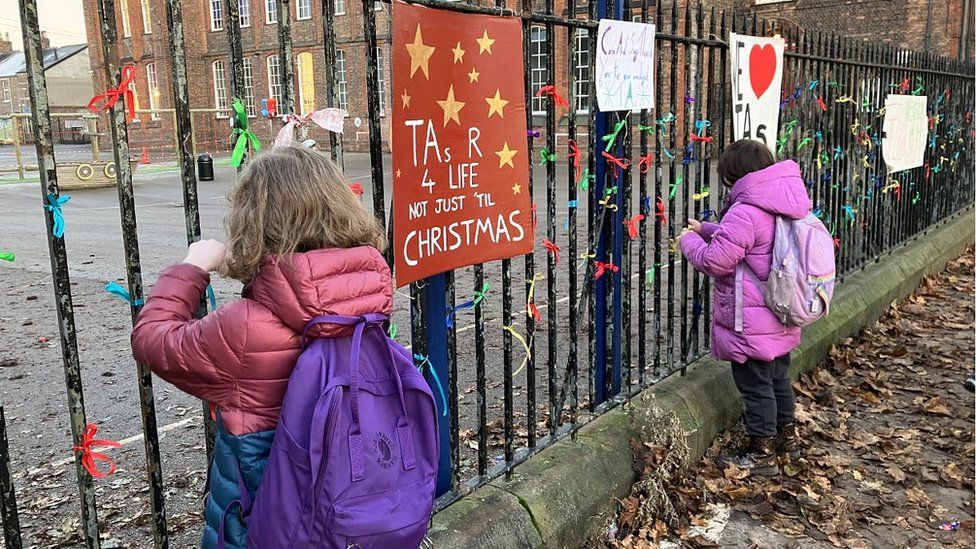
x,y
611,138
585,179
668,118
244,135
609,191
781,144
482,294
7,256
674,188
790,125
546,156
643,128
393,330
803,143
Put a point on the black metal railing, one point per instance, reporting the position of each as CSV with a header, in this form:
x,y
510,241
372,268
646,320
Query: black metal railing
x,y
602,338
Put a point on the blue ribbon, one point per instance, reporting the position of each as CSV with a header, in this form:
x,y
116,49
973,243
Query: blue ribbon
x,y
451,311
425,361
573,203
212,298
838,152
646,205
54,206
116,289
707,214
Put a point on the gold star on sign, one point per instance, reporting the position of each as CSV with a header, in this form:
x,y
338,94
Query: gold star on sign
x,y
473,76
484,43
451,107
398,173
516,189
406,99
496,104
458,53
505,156
419,54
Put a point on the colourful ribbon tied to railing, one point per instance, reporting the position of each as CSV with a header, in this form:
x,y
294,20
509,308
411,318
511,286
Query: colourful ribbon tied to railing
x,y
553,249
244,135
660,213
54,206
821,103
546,156
356,189
106,100
89,457
905,84
115,289
424,360
615,163
702,125
845,99
645,162
674,187
700,138
550,90
7,256
525,345
664,121
530,307
648,129
327,119
212,298
611,138
705,215
803,143
534,133
602,267
574,155
703,194
633,225
584,181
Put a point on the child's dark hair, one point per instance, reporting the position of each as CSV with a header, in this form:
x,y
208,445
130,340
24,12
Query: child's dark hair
x,y
743,157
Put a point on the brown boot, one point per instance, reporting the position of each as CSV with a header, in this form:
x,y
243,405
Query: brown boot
x,y
786,441
759,457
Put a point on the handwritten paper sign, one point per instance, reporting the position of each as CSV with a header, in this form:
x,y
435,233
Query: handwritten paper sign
x,y
624,65
904,132
757,80
460,161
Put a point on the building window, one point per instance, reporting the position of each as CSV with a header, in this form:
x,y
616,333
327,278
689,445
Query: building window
x,y
270,11
274,79
582,67
248,87
377,6
539,66
341,80
306,83
244,13
303,9
220,88
340,7
5,89
381,80
146,17
216,15
126,27
154,94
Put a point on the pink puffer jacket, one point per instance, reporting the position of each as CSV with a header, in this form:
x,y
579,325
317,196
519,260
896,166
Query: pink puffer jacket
x,y
241,356
746,234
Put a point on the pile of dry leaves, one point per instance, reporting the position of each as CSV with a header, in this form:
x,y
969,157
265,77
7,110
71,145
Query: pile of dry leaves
x,y
887,438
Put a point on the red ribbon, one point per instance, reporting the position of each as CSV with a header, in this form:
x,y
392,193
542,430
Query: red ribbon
x,y
903,87
356,188
534,311
660,214
551,91
553,249
105,101
574,154
615,162
969,117
631,225
89,457
700,138
928,171
535,216
645,162
602,267
821,104
837,243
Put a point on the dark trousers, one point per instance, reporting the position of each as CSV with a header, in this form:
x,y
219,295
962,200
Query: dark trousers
x,y
767,394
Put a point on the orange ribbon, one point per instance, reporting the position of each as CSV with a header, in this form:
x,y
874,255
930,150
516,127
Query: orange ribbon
x,y
645,162
660,214
553,249
821,104
89,457
574,154
615,162
632,224
550,90
602,267
105,101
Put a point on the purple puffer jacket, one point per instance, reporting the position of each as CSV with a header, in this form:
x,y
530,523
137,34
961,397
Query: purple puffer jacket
x,y
746,234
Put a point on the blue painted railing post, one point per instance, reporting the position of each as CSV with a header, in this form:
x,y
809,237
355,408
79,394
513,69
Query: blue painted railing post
x,y
435,311
618,247
599,287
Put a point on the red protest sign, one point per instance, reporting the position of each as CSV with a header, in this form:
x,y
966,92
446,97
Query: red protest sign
x,y
460,158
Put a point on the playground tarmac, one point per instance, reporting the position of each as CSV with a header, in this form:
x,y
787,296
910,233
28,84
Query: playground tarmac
x,y
31,371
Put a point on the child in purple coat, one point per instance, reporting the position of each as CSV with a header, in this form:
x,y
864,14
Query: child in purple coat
x,y
737,253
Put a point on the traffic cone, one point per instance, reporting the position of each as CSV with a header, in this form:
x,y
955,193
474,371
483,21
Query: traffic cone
x,y
145,156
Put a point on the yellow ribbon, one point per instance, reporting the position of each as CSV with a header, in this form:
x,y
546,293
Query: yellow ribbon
x,y
530,298
525,344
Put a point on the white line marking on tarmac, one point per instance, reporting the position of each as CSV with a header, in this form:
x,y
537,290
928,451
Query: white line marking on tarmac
x,y
140,436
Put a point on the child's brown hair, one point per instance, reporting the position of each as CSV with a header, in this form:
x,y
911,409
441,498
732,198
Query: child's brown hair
x,y
743,157
289,200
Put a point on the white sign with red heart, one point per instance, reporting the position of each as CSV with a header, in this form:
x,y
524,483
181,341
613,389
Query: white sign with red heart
x,y
757,81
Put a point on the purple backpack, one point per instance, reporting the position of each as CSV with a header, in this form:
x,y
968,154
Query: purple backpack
x,y
801,277
354,459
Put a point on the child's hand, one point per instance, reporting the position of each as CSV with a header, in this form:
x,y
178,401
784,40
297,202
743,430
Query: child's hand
x,y
695,225
684,232
206,254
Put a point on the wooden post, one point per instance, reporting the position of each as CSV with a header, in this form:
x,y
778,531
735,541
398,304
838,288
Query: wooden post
x,y
15,124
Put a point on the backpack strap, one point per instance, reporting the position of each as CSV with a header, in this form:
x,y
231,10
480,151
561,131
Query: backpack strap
x,y
404,432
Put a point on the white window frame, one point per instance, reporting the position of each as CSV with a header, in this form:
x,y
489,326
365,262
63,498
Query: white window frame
x,y
248,68
270,12
377,5
244,13
274,78
146,17
582,91
126,25
5,91
152,82
538,66
381,79
219,71
341,81
216,15
340,7
303,6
